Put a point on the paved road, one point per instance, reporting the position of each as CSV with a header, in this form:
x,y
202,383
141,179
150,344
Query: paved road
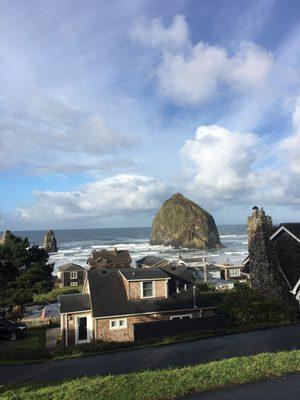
x,y
181,354
276,389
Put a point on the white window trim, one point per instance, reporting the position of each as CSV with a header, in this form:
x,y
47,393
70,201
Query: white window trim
x,y
73,275
89,331
112,328
73,283
153,290
234,272
180,316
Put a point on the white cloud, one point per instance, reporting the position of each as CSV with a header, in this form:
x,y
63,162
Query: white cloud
x,y
221,162
47,135
290,146
153,32
199,74
191,74
118,195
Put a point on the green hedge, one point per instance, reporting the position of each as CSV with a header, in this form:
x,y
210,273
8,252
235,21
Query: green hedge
x,y
52,296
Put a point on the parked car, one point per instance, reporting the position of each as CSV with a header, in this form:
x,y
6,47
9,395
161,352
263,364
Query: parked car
x,y
12,330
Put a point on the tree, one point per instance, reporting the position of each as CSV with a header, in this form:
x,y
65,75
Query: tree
x,y
24,271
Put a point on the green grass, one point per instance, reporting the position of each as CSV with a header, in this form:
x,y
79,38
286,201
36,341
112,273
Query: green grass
x,y
164,384
52,296
35,341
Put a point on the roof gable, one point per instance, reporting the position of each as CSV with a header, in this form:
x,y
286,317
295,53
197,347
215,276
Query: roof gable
x,y
70,267
292,229
140,274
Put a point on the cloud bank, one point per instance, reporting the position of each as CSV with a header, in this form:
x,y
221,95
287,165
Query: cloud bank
x,y
192,74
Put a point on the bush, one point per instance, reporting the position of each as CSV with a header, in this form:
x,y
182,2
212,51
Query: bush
x,y
245,308
206,287
54,293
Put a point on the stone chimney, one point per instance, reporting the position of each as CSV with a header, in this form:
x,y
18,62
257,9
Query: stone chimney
x,y
263,261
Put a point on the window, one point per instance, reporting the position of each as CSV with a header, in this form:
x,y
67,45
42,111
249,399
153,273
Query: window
x,y
118,323
234,272
73,283
183,316
73,275
147,289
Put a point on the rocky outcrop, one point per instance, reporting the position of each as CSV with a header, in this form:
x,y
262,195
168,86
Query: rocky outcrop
x,y
6,236
182,223
50,244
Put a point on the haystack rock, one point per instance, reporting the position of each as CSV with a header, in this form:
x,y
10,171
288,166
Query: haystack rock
x,y
50,244
182,223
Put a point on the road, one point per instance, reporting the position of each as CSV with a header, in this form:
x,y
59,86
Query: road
x,y
180,354
287,387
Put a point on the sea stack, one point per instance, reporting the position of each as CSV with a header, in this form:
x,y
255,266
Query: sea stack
x,y
6,236
182,223
50,244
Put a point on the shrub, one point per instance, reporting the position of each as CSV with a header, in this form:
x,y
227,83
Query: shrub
x,y
244,307
54,293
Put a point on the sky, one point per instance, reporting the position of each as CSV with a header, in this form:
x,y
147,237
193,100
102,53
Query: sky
x,y
109,107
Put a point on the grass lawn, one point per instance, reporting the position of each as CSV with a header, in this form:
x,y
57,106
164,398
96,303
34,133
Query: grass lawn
x,y
164,384
35,340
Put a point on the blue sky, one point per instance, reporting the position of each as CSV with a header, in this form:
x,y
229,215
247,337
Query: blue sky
x,y
109,107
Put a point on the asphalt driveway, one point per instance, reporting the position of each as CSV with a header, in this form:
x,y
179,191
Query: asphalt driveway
x,y
179,355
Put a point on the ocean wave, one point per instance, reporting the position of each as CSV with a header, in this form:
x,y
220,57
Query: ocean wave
x,y
233,236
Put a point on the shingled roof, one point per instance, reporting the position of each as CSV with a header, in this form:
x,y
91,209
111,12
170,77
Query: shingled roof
x,y
70,267
292,228
151,261
177,271
109,298
74,302
109,257
137,274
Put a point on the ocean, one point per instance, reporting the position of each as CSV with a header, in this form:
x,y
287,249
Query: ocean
x,y
75,245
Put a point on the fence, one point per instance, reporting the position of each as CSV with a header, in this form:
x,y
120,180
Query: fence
x,y
167,328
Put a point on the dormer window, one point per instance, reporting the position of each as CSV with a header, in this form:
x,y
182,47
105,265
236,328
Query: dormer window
x,y
147,289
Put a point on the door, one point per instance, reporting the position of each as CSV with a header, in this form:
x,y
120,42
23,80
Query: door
x,y
83,329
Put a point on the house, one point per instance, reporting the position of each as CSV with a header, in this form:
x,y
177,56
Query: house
x,y
116,302
286,243
176,270
180,277
230,271
286,239
109,259
150,261
71,275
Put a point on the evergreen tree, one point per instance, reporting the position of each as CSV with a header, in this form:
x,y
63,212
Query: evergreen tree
x,y
24,271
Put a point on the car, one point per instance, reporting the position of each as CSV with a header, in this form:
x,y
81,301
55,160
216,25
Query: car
x,y
12,330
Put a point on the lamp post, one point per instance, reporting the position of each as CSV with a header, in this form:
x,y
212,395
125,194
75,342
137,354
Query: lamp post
x,y
194,295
